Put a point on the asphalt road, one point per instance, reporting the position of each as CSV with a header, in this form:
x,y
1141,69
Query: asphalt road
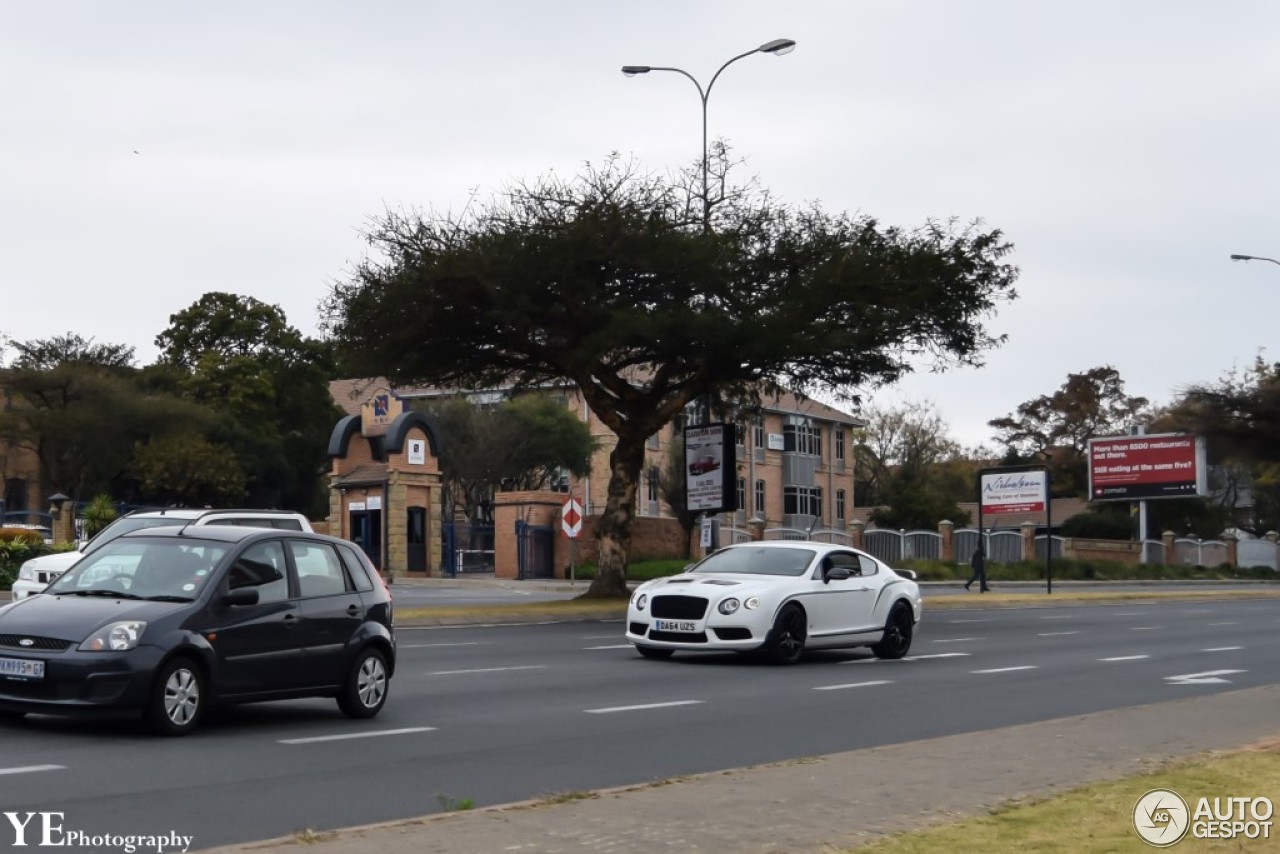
x,y
498,714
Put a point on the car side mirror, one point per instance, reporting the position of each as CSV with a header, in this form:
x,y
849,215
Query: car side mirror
x,y
241,596
836,573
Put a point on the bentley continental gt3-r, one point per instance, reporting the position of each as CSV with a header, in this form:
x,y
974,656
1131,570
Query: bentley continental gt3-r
x,y
778,598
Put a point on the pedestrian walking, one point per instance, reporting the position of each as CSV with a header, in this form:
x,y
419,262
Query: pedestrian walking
x,y
979,564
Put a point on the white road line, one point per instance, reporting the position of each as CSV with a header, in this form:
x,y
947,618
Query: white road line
x,y
642,707
1055,634
486,670
1127,614
957,622
427,645
1008,669
1125,658
1209,677
31,769
956,640
1222,649
351,735
937,655
1146,628
610,646
852,685
1059,617
1228,623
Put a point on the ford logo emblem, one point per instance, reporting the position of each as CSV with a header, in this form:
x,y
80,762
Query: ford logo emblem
x,y
26,642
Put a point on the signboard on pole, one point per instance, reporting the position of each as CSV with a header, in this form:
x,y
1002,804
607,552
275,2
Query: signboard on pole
x,y
711,468
571,518
1025,491
1133,468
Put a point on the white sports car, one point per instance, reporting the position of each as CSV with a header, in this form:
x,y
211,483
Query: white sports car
x,y
779,598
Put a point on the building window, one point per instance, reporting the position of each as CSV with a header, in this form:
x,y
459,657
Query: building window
x,y
742,493
757,433
760,499
802,500
652,482
559,479
839,505
802,438
837,442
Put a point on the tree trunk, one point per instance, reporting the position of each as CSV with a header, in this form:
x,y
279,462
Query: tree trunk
x,y
613,532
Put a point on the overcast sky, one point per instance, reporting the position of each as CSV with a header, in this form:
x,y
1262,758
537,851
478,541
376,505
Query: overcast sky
x,y
151,152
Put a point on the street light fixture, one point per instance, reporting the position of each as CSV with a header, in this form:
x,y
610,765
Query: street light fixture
x,y
1253,258
776,47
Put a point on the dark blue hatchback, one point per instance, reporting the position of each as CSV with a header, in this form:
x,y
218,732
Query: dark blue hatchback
x,y
167,622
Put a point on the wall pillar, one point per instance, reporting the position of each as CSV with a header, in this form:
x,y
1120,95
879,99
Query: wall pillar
x,y
1029,541
947,531
856,530
1233,548
1170,548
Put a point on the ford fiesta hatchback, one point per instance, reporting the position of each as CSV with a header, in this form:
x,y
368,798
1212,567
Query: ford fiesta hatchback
x,y
168,622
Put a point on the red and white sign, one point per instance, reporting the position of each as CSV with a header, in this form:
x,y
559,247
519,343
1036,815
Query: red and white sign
x,y
1164,465
1015,492
571,518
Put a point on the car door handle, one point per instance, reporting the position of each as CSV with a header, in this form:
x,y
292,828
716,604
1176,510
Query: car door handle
x,y
353,610
291,620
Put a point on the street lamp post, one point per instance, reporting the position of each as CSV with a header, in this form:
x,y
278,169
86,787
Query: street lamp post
x,y
777,47
1253,258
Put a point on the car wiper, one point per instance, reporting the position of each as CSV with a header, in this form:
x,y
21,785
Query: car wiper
x,y
168,597
114,594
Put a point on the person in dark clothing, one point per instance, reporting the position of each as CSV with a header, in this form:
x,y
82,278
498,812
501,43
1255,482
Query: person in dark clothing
x,y
979,564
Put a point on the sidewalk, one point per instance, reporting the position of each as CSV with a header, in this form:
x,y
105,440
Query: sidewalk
x,y
832,802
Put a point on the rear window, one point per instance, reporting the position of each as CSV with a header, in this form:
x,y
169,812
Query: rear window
x,y
361,572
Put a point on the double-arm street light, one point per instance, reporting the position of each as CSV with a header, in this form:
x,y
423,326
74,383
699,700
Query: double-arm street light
x,y
777,47
1253,258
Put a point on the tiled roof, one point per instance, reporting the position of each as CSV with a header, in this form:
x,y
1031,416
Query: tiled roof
x,y
363,475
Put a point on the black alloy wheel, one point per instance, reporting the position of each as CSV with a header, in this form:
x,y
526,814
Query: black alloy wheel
x,y
898,632
786,641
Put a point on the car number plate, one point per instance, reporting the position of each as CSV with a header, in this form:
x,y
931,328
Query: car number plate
x,y
688,626
21,668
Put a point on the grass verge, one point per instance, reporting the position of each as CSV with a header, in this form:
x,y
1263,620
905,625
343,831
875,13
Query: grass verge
x,y
1099,818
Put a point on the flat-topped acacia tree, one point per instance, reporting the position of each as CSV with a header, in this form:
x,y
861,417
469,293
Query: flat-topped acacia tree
x,y
614,282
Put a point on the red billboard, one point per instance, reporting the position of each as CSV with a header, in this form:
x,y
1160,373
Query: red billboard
x,y
1132,468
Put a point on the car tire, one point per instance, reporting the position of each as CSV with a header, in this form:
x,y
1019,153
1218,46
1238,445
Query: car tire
x,y
365,691
653,652
177,698
785,643
899,629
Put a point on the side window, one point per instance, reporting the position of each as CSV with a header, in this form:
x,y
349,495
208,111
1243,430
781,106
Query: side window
x,y
287,524
869,566
356,569
320,573
262,566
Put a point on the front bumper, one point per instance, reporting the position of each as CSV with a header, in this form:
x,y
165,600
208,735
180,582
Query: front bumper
x,y
77,681
706,634
22,589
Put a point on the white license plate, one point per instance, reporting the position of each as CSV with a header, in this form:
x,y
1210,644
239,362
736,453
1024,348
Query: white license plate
x,y
688,626
21,668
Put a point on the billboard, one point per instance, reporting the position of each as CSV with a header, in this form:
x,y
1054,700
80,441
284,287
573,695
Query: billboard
x,y
1132,468
1022,491
711,468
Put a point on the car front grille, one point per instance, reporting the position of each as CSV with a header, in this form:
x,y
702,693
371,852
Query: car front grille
x,y
679,637
47,644
678,607
47,576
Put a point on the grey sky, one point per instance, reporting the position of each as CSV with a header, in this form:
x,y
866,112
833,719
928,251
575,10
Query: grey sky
x,y
1126,148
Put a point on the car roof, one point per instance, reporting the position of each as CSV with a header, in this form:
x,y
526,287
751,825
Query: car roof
x,y
226,533
791,544
201,512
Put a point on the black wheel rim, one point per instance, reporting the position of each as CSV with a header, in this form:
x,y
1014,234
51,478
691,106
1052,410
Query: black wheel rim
x,y
898,634
791,635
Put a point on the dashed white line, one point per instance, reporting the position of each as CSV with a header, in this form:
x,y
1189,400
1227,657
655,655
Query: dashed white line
x,y
852,685
610,646
1059,617
350,735
486,670
1127,614
1125,658
956,640
937,655
1227,623
1222,649
1146,628
1008,669
1055,634
31,769
643,707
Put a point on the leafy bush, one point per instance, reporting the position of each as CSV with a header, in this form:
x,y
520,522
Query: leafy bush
x,y
1097,526
14,553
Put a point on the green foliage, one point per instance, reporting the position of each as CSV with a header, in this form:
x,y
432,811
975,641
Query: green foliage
x,y
1099,525
14,552
189,469
643,570
98,514
672,488
615,282
1084,570
909,469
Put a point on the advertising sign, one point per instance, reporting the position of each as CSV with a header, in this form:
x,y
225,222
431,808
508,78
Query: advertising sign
x,y
1132,468
1014,491
710,468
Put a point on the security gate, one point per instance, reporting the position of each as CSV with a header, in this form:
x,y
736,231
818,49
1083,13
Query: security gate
x,y
535,549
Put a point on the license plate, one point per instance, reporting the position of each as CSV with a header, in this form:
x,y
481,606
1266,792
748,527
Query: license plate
x,y
21,668
688,626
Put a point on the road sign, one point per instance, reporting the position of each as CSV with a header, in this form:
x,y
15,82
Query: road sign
x,y
571,518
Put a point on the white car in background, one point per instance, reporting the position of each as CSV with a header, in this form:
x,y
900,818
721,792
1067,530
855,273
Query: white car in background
x,y
778,598
36,574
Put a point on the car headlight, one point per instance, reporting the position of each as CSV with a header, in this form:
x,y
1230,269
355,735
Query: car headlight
x,y
728,606
115,637
26,573
642,599
752,603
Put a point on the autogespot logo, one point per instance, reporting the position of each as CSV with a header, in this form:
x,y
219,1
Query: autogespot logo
x,y
1161,818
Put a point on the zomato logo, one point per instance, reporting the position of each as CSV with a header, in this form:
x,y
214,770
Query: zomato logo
x,y
1162,818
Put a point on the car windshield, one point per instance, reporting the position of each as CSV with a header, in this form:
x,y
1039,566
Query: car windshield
x,y
128,524
758,560
143,568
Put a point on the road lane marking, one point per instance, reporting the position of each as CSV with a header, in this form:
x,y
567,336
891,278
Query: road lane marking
x,y
486,670
1227,623
1059,617
1222,649
643,707
1125,658
1055,634
350,735
1127,614
937,655
1146,628
1008,669
853,685
956,640
610,646
1208,677
31,769
426,645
